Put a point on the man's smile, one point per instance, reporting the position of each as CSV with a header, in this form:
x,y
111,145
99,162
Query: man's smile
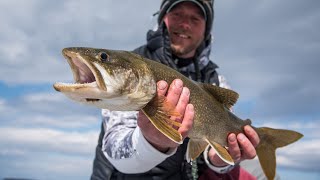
x,y
180,35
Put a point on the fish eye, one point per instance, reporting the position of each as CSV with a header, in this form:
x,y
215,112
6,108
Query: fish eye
x,y
104,57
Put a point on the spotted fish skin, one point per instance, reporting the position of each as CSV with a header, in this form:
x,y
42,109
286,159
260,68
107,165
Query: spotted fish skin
x,y
123,81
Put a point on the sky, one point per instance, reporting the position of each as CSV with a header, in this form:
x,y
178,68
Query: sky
x,y
268,50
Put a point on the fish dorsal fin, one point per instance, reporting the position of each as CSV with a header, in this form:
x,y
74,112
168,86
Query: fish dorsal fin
x,y
222,152
225,96
195,148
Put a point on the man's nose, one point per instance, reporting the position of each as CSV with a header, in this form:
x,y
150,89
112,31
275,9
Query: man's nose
x,y
184,22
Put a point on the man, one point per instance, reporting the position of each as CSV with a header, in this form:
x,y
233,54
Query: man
x,y
129,146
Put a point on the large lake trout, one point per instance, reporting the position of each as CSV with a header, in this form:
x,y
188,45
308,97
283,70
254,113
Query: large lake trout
x,y
122,81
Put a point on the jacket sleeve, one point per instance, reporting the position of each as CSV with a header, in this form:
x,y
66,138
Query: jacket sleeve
x,y
125,146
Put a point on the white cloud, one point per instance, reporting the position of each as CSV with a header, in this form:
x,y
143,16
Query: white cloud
x,y
11,152
43,153
13,51
44,97
54,105
66,165
43,166
301,155
292,125
65,122
270,58
5,108
47,140
2,104
33,34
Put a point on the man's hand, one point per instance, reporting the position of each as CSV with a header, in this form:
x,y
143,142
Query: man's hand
x,y
240,147
178,96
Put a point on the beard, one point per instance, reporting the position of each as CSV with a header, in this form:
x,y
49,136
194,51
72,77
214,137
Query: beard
x,y
183,47
180,50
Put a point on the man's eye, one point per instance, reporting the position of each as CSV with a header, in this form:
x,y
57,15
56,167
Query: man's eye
x,y
195,20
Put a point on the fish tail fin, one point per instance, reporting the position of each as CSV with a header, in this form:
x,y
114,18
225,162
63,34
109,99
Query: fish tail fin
x,y
271,139
159,112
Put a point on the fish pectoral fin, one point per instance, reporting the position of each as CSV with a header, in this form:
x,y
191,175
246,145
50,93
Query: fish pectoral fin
x,y
222,152
195,148
159,112
225,96
167,110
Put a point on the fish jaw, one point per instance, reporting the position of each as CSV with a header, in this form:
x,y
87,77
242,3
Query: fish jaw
x,y
88,82
84,71
94,86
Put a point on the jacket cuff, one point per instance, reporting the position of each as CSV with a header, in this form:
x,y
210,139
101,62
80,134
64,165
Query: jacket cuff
x,y
220,170
144,156
142,146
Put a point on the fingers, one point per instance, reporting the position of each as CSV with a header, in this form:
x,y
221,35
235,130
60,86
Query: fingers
x,y
187,122
178,96
233,147
174,91
162,88
248,150
182,103
252,135
240,147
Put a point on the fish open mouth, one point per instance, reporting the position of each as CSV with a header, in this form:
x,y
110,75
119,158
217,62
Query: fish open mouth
x,y
81,71
87,78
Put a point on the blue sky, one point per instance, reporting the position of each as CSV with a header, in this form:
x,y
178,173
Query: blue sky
x,y
268,50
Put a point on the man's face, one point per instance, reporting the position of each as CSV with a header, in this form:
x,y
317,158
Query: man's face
x,y
186,27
